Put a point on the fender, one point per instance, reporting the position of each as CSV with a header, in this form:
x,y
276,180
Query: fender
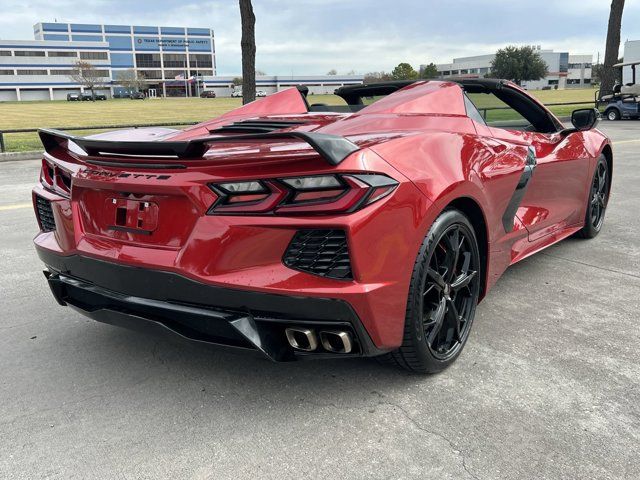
x,y
462,165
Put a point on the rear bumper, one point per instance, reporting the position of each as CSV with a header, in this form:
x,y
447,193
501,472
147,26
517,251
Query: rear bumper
x,y
148,299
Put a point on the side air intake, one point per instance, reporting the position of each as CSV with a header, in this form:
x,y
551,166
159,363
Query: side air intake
x,y
45,214
320,252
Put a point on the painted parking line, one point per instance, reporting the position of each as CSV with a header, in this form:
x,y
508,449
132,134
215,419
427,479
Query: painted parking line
x,y
16,206
626,141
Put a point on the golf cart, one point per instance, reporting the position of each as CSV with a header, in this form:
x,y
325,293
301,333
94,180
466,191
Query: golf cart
x,y
624,100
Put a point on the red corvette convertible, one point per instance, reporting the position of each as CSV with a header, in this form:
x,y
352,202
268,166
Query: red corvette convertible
x,y
298,231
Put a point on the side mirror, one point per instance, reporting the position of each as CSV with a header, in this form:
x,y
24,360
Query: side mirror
x,y
585,119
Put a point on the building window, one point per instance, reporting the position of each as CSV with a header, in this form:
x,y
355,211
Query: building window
x,y
148,60
7,72
63,54
200,61
564,62
5,53
151,74
172,74
63,72
29,53
553,82
94,56
200,72
174,60
102,73
32,72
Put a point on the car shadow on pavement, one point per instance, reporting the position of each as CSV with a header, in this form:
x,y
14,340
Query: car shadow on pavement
x,y
166,368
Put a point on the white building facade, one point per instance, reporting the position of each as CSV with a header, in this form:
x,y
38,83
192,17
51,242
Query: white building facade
x,y
40,70
565,70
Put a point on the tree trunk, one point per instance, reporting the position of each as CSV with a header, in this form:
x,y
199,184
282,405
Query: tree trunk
x,y
248,44
612,48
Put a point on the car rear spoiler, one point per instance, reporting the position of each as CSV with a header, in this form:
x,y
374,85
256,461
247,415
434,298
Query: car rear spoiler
x,y
332,148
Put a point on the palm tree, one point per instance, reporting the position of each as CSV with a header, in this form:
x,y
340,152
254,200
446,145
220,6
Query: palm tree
x,y
248,46
608,74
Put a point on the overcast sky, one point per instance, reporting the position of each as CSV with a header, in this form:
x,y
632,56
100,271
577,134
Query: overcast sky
x,y
314,36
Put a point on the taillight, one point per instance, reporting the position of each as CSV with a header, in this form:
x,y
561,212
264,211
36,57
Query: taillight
x,y
55,178
313,194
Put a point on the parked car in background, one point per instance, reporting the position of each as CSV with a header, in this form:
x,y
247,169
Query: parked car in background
x,y
236,94
261,93
86,96
208,94
137,96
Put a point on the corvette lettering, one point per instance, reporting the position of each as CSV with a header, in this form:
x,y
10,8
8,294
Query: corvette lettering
x,y
147,176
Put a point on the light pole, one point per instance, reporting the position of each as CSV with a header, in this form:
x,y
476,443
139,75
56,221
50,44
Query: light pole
x,y
185,77
197,77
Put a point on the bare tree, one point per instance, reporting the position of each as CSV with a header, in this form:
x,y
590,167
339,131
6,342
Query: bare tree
x,y
248,45
608,72
377,77
87,75
132,80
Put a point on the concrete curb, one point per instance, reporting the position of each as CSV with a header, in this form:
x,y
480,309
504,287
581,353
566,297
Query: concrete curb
x,y
15,156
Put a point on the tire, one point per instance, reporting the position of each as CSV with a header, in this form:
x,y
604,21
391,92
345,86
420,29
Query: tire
x,y
613,114
598,200
431,340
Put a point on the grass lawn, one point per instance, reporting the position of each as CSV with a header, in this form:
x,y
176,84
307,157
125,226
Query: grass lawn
x,y
17,115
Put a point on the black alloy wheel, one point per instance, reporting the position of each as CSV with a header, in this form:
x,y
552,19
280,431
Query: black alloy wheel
x,y
598,200
449,292
443,294
599,195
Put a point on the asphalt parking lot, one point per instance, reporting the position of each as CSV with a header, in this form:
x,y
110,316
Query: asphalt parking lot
x,y
548,386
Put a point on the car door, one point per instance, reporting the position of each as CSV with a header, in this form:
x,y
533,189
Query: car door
x,y
554,196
